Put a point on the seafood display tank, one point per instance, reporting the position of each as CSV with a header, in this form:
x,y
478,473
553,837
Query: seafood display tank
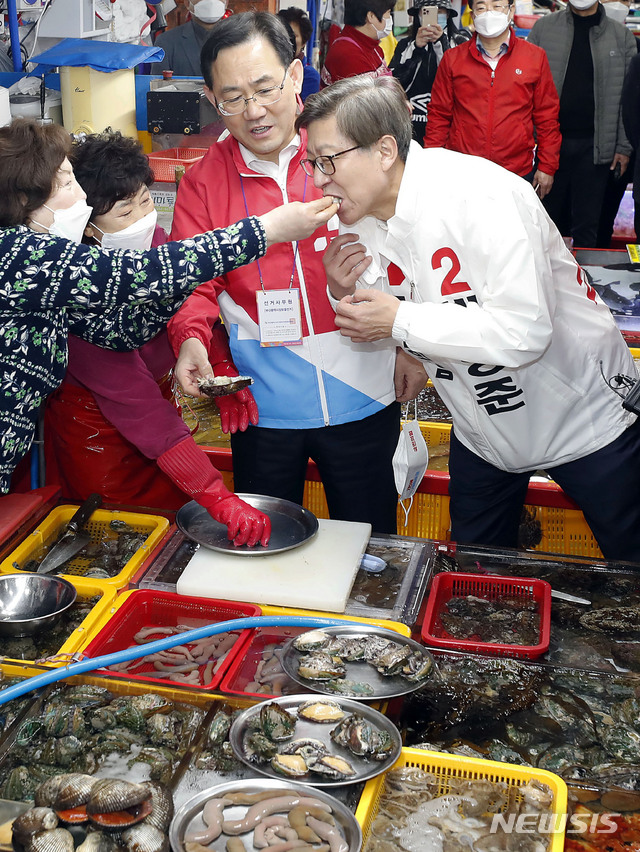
x,y
149,748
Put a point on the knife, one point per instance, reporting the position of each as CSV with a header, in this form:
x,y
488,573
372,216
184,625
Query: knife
x,y
74,537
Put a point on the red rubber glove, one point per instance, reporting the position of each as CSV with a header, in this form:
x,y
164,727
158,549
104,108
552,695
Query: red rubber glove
x,y
188,466
237,410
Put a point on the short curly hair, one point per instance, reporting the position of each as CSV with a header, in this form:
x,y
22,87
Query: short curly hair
x,y
109,167
30,157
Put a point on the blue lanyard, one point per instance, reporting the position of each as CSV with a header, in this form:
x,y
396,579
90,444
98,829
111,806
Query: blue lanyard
x,y
295,251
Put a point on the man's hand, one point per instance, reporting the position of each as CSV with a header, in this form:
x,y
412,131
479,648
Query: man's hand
x,y
429,34
344,261
410,376
192,363
623,160
542,183
298,220
366,316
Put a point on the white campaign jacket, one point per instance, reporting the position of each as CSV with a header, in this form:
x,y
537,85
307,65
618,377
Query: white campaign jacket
x,y
514,338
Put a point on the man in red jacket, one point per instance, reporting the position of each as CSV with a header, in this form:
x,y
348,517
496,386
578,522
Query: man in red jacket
x,y
494,97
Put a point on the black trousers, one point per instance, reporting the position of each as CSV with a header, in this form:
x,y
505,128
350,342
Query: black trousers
x,y
486,503
576,197
354,461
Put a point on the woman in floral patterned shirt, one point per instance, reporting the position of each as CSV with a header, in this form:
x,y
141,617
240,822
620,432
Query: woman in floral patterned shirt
x,y
50,284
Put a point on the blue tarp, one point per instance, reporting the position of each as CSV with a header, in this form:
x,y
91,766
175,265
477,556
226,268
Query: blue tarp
x,y
100,55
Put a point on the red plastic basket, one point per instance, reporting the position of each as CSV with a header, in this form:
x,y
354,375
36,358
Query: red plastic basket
x,y
242,671
163,163
151,608
446,586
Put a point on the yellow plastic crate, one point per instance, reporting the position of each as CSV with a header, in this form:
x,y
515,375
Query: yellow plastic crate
x,y
402,629
85,631
45,534
447,766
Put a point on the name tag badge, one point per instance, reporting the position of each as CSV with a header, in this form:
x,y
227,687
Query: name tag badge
x,y
279,317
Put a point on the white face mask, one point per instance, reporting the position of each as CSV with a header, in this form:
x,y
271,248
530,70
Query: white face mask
x,y
409,462
388,29
491,24
208,11
617,11
138,235
581,5
69,223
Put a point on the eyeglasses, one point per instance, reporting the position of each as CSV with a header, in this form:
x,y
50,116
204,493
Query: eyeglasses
x,y
325,164
490,7
263,97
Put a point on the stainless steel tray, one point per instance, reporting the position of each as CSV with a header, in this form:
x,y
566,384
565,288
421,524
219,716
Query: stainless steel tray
x,y
365,769
291,526
189,816
359,671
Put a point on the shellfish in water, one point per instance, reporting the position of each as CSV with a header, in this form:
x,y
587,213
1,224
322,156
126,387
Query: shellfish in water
x,y
222,385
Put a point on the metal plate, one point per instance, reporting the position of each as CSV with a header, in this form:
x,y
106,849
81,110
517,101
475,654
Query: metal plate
x,y
365,769
360,671
291,526
189,816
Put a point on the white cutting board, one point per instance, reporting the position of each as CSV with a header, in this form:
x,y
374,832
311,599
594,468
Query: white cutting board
x,y
317,575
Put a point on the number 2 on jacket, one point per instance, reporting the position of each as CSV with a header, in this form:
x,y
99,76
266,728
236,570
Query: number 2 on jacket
x,y
449,286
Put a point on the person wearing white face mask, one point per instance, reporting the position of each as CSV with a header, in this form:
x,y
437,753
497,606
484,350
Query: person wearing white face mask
x,y
417,56
99,438
51,286
356,50
589,53
182,44
494,97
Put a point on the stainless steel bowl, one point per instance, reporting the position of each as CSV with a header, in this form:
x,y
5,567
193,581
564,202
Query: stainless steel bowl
x,y
32,602
189,816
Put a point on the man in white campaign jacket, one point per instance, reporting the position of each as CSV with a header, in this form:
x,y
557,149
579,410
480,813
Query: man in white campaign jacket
x,y
507,325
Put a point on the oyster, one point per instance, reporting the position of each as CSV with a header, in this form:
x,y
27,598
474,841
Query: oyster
x,y
312,640
322,711
321,666
612,619
332,766
222,385
291,765
276,723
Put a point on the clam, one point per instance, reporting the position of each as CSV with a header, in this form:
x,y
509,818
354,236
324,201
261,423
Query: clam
x,y
118,804
321,666
98,841
332,766
31,821
275,722
291,765
322,711
223,385
145,838
56,840
161,807
312,640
